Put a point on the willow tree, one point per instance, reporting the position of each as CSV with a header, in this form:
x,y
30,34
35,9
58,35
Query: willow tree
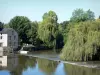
x,y
83,42
48,29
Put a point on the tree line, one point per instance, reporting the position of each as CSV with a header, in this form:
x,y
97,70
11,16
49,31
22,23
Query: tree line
x,y
78,37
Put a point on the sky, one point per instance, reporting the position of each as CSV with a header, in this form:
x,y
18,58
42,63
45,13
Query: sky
x,y
34,9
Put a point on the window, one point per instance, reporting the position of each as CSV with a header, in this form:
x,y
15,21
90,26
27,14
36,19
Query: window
x,y
0,44
0,37
14,37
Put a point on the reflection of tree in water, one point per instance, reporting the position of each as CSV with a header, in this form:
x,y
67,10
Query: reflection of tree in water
x,y
31,62
23,63
47,66
77,70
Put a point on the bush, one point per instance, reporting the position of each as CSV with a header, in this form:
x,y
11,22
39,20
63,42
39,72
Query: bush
x,y
83,42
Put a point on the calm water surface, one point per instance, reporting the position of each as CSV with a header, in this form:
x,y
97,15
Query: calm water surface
x,y
24,65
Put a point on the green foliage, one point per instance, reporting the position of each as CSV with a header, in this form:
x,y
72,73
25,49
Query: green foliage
x,y
50,16
1,25
33,35
79,15
90,15
83,42
22,25
47,30
63,29
59,40
6,26
99,17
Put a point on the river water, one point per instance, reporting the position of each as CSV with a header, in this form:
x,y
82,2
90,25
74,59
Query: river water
x,y
27,65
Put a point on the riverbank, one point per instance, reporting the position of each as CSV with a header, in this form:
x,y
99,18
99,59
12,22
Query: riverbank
x,y
55,57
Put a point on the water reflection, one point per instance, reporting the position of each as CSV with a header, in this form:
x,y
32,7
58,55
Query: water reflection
x,y
24,63
14,64
77,70
3,61
47,66
31,62
9,62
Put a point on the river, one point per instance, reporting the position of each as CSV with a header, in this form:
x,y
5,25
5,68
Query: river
x,y
29,65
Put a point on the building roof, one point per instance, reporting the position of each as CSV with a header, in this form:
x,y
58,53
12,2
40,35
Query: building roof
x,y
5,30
